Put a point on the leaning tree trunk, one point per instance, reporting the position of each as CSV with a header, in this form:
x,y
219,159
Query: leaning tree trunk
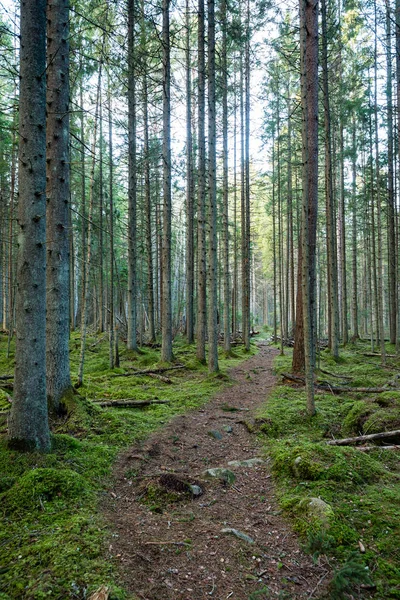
x,y
28,426
57,210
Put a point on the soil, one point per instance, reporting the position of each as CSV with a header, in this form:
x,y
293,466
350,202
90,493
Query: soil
x,y
170,545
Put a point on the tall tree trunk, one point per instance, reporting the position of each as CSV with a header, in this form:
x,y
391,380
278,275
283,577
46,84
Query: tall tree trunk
x,y
355,299
101,223
392,254
309,98
166,348
132,183
28,426
201,194
189,190
57,210
378,201
225,180
246,200
112,337
212,199
88,258
333,313
147,191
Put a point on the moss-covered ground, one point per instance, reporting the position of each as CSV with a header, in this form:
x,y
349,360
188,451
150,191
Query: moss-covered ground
x,y
363,489
51,532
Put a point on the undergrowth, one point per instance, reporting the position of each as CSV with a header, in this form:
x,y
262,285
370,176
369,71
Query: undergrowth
x,y
360,491
51,533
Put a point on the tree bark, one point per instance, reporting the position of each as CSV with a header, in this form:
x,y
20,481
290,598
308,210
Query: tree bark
x,y
57,210
166,348
28,427
132,183
201,194
212,199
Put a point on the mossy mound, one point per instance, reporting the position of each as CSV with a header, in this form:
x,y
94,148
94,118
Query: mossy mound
x,y
40,486
315,462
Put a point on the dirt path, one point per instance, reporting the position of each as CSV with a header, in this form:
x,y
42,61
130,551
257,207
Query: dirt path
x,y
181,552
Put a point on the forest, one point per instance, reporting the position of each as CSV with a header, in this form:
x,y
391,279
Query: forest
x,y
199,299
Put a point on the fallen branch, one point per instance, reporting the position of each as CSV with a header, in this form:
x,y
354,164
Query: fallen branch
x,y
129,403
6,377
335,389
362,438
379,354
160,377
335,375
369,448
148,371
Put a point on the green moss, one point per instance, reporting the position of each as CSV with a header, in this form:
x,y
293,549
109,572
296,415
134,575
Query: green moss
x,y
362,488
51,535
38,488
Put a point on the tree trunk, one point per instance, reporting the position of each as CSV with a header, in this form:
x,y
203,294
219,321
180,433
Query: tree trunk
x,y
132,183
333,315
57,210
28,427
166,348
201,194
212,199
225,180
189,191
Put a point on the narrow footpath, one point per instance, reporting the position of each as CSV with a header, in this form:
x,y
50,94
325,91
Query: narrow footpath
x,y
224,537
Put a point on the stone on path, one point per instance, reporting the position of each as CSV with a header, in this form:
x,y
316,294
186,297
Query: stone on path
x,y
215,434
238,534
224,475
250,462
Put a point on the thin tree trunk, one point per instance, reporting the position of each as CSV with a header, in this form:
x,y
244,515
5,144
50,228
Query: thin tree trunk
x,y
112,353
189,191
85,295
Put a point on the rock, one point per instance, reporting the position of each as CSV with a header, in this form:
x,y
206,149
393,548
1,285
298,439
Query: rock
x,y
296,464
250,462
319,509
196,490
238,534
215,434
227,428
224,475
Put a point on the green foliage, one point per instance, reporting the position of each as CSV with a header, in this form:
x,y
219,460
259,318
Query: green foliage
x,y
350,574
51,534
362,489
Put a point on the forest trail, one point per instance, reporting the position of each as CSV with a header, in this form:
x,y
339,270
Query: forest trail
x,y
181,552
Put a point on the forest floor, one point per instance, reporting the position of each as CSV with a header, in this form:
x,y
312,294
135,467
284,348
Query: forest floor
x,y
230,540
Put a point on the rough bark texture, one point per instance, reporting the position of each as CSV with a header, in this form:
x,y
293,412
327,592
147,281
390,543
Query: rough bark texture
x,y
189,190
212,199
28,421
201,193
225,182
57,212
309,97
166,348
132,251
